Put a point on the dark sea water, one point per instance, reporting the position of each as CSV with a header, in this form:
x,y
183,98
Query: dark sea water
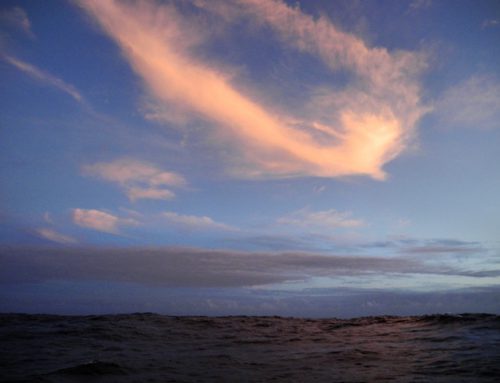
x,y
156,348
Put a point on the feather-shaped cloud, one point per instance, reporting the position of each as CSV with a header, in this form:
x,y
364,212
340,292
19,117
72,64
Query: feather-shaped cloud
x,y
355,131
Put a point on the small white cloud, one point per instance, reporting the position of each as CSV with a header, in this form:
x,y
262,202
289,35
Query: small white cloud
x,y
17,18
138,179
403,223
100,220
416,5
490,23
54,236
473,103
194,222
319,189
326,219
47,217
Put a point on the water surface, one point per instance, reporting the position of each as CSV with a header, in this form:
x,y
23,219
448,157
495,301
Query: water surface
x,y
157,348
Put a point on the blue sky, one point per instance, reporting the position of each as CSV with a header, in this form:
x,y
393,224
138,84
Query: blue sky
x,y
273,156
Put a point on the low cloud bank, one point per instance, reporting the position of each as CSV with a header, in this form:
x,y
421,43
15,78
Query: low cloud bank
x,y
188,267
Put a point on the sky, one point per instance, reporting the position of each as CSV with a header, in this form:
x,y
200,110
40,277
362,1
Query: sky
x,y
259,157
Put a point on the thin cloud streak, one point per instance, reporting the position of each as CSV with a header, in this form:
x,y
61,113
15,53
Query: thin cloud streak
x,y
443,250
135,193
194,222
326,219
417,5
490,23
43,77
371,123
55,236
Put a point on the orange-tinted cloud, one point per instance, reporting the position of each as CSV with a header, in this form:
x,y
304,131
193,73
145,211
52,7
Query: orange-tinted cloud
x,y
361,127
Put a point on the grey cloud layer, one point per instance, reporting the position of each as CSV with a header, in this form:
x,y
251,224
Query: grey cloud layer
x,y
185,267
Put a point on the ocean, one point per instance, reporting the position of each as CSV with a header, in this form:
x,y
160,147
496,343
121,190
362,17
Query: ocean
x,y
147,347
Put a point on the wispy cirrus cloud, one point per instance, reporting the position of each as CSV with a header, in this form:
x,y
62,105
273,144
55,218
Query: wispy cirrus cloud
x,y
351,131
322,220
473,103
43,76
54,236
139,179
100,220
16,17
195,222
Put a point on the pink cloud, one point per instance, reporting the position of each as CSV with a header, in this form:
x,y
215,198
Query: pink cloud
x,y
100,220
55,236
139,179
43,76
362,127
135,193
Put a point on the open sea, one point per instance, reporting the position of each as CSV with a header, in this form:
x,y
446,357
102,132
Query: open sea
x,y
157,348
